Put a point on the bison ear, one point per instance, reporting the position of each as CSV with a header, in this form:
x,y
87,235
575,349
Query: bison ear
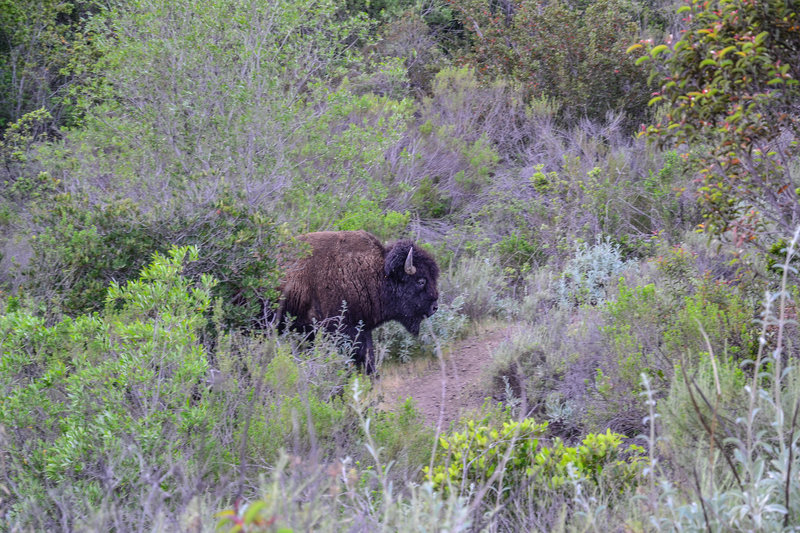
x,y
396,260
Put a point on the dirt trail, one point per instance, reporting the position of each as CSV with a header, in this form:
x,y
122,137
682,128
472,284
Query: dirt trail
x,y
464,385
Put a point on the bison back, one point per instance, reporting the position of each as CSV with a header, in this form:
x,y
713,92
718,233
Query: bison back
x,y
342,266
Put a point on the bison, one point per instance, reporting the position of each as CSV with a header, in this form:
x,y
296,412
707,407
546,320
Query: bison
x,y
375,283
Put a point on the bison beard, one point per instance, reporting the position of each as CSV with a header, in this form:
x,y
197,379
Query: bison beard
x,y
377,283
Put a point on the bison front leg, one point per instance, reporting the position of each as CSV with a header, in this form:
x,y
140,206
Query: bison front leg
x,y
364,356
369,364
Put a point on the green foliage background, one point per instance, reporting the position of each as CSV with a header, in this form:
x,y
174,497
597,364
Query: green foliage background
x,y
616,179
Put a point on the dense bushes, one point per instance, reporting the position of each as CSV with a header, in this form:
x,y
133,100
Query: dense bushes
x,y
82,248
572,53
730,85
87,403
115,418
41,56
512,456
141,390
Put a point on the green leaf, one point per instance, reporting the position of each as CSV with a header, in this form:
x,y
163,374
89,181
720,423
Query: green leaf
x,y
654,100
725,50
252,511
658,49
642,60
707,62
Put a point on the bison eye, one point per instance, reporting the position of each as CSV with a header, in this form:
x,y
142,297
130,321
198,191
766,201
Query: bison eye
x,y
421,282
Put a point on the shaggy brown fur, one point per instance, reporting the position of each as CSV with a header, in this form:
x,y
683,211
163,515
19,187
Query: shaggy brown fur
x,y
374,282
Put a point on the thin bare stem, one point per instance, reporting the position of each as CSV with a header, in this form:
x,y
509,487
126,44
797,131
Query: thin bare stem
x,y
440,420
717,397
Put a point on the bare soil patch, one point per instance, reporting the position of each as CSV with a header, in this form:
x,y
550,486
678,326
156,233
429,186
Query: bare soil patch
x,y
443,395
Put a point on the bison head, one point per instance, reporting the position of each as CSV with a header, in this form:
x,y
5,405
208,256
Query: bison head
x,y
410,293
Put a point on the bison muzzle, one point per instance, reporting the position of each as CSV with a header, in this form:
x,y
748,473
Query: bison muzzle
x,y
375,283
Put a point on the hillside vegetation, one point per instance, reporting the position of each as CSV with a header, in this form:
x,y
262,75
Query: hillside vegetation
x,y
617,179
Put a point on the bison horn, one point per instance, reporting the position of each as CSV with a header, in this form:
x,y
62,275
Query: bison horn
x,y
410,268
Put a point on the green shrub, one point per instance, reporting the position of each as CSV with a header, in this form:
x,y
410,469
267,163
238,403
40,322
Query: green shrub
x,y
665,186
586,276
519,253
342,179
367,215
633,328
735,428
403,437
574,54
299,422
729,52
443,327
81,248
469,460
429,200
85,401
649,330
480,282
287,411
483,159
717,314
23,182
637,313
471,457
676,265
78,252
15,146
42,43
678,410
